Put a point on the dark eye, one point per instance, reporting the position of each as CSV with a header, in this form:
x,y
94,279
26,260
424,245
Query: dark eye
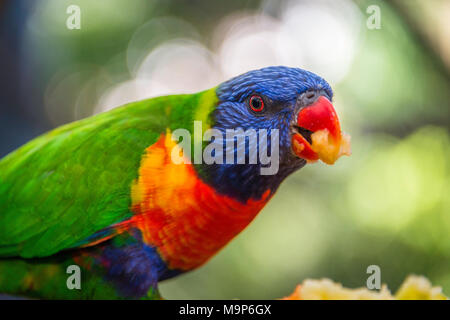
x,y
256,103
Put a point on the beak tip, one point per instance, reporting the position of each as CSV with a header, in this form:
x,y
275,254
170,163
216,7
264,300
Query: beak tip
x,y
328,142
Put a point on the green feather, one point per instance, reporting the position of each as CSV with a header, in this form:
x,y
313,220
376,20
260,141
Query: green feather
x,y
64,186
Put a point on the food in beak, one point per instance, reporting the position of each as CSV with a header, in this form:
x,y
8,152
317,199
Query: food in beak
x,y
318,133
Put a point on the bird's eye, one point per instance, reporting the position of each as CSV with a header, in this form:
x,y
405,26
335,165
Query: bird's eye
x,y
256,103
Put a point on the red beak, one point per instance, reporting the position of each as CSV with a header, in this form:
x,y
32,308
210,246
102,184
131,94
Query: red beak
x,y
322,124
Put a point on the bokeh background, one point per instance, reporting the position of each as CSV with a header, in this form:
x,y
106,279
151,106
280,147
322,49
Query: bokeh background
x,y
388,204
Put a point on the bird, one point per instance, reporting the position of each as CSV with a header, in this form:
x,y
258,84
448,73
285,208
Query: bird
x,y
103,208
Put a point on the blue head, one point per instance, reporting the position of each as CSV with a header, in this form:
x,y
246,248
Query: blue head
x,y
269,98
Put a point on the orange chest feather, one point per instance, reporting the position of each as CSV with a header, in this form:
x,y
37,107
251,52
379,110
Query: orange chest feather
x,y
179,214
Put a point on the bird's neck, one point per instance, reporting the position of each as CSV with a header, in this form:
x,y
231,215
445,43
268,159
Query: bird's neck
x,y
243,182
181,215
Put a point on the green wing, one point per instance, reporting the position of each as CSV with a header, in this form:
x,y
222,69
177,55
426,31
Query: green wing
x,y
63,187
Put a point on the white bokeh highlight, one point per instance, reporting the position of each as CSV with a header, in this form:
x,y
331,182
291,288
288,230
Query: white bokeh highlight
x,y
321,36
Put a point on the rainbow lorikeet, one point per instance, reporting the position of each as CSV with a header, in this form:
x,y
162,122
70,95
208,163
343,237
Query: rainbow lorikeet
x,y
104,194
